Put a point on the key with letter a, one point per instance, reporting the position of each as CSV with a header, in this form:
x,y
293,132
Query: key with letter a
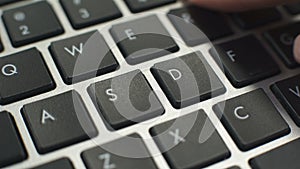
x,y
58,122
288,93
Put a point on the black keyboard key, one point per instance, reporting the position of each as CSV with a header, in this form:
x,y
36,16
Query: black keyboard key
x,y
126,100
4,2
128,152
58,164
197,25
245,61
282,40
143,39
12,148
184,144
58,122
142,5
293,9
251,119
83,13
82,57
285,156
288,93
20,79
252,19
31,23
187,80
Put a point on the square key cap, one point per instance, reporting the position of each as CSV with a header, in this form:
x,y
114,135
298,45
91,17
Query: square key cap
x,y
19,79
125,100
288,93
31,23
58,122
198,25
143,39
245,61
282,40
83,13
187,80
128,152
190,142
82,57
251,119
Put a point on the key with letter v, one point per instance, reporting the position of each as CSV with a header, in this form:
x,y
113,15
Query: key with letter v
x,y
288,93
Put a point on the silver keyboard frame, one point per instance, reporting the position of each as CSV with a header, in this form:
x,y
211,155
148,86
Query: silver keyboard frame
x,y
73,152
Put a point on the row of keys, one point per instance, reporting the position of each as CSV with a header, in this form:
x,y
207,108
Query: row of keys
x,y
173,138
24,26
189,23
79,58
128,99
63,120
197,25
86,56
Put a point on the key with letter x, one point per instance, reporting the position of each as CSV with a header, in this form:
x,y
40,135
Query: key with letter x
x,y
190,141
177,137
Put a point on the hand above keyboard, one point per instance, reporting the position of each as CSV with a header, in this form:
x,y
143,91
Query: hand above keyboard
x,y
238,6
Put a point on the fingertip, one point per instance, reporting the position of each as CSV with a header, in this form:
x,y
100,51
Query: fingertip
x,y
297,49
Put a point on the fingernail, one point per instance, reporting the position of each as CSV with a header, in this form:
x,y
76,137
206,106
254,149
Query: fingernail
x,y
297,49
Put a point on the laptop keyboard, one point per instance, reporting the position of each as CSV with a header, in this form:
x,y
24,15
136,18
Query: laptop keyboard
x,y
77,74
